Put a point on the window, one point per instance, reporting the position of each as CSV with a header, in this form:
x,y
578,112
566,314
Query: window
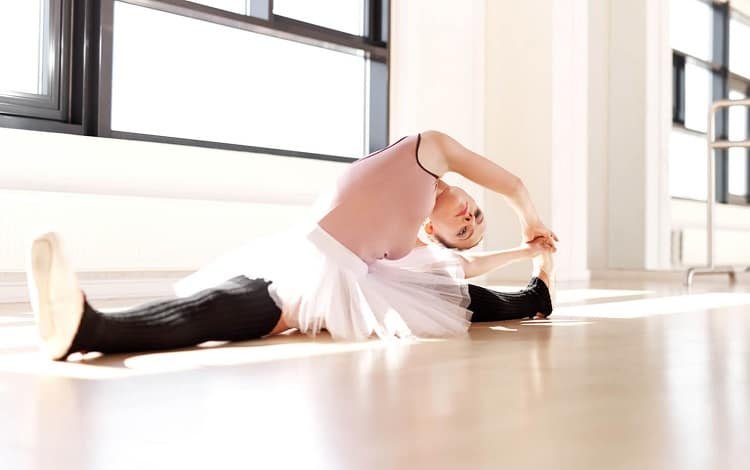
x,y
214,83
698,91
739,45
691,28
33,74
711,47
738,157
236,6
348,18
263,76
23,23
688,153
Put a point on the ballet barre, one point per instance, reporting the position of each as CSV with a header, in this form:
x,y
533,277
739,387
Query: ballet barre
x,y
710,268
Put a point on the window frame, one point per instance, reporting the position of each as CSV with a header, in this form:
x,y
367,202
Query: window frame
x,y
722,77
84,78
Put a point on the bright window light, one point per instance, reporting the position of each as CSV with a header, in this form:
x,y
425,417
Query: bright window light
x,y
739,46
235,6
738,156
688,165
343,15
737,117
691,27
738,171
698,91
181,77
20,34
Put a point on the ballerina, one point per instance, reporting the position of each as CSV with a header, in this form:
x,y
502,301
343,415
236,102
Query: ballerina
x,y
359,269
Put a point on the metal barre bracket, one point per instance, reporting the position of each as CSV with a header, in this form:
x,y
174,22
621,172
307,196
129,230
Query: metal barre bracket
x,y
711,195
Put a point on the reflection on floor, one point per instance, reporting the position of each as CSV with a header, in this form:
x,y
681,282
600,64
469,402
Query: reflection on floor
x,y
623,375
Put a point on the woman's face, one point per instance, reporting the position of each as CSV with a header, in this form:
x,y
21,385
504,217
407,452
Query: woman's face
x,y
456,220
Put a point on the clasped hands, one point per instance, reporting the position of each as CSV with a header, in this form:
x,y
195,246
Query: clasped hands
x,y
537,230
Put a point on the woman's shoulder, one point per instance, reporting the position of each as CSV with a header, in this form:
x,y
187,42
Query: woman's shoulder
x,y
430,154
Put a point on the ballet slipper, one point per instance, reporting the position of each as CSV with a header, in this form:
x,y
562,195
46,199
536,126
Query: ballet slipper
x,y
56,298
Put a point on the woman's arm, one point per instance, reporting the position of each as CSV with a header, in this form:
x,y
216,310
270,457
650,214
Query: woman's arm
x,y
443,153
476,264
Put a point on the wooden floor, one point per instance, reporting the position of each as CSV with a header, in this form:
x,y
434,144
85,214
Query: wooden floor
x,y
623,376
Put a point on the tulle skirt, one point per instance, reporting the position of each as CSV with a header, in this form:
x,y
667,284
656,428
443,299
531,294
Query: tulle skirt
x,y
321,284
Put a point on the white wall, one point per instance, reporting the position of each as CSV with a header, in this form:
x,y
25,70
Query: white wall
x,y
598,109
639,64
41,161
135,206
437,72
688,224
536,122
437,68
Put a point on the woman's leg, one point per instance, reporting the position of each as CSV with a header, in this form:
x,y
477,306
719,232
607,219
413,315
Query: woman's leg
x,y
238,309
533,301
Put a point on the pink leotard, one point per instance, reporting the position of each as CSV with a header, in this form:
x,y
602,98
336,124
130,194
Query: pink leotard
x,y
381,201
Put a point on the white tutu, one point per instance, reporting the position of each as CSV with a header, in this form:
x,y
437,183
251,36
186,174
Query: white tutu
x,y
322,284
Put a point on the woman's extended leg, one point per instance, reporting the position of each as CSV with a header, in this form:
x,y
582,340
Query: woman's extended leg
x,y
239,309
533,301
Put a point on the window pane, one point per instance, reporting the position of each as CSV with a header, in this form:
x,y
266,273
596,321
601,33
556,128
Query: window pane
x,y
691,27
180,77
738,171
737,117
698,91
20,46
687,165
739,46
235,6
343,15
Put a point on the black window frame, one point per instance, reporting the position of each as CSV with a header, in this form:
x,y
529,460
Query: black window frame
x,y
721,78
83,78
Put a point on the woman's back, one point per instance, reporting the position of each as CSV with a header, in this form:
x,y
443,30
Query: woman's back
x,y
381,201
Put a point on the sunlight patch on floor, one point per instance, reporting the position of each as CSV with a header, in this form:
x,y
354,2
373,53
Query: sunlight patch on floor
x,y
502,328
656,306
556,322
93,366
236,355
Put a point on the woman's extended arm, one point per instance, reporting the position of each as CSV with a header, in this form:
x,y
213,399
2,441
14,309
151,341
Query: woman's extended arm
x,y
476,264
446,154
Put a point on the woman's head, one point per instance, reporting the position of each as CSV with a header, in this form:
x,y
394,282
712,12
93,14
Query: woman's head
x,y
456,220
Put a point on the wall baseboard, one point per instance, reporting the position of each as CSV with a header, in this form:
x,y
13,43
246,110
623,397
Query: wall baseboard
x,y
101,285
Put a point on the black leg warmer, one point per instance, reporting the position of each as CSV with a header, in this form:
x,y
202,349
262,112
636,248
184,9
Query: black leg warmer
x,y
239,309
489,305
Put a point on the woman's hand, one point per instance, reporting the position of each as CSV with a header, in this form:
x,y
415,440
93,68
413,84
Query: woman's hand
x,y
538,246
538,230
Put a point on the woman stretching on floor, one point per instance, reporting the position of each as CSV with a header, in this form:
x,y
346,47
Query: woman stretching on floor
x,y
359,269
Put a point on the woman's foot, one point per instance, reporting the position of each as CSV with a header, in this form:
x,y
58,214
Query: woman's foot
x,y
56,298
544,269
